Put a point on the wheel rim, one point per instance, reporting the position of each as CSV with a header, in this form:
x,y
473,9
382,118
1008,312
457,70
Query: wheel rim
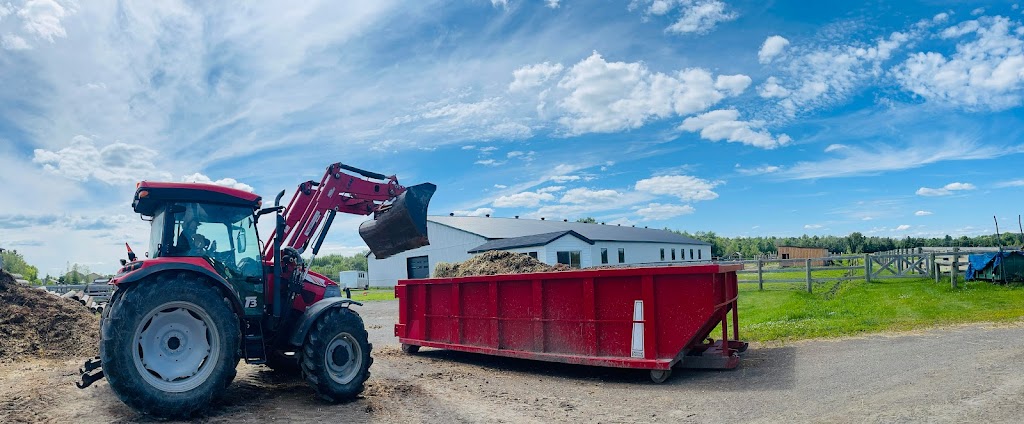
x,y
343,357
176,347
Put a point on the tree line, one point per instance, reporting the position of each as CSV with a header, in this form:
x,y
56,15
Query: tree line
x,y
331,265
853,243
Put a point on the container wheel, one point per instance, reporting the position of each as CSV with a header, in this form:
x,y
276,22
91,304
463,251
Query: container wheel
x,y
410,349
660,376
169,346
336,355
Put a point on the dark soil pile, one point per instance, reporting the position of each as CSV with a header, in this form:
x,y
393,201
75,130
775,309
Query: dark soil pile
x,y
495,262
36,323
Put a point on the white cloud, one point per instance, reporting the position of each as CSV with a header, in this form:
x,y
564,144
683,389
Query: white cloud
x,y
489,162
606,96
658,211
978,11
588,196
835,147
771,89
500,186
487,149
14,42
43,19
564,178
552,4
695,16
877,158
761,170
940,18
525,199
903,227
530,76
5,10
824,76
685,187
1011,183
946,190
116,163
812,226
475,212
986,72
468,147
723,124
773,46
226,182
922,213
500,3
551,189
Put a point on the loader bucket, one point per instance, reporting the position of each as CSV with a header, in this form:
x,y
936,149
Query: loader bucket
x,y
402,226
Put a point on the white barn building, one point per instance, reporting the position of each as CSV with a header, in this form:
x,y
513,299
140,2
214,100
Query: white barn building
x,y
577,244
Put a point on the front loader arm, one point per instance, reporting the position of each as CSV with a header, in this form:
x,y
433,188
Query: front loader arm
x,y
314,204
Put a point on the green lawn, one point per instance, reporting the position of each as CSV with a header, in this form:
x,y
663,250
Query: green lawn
x,y
372,294
787,312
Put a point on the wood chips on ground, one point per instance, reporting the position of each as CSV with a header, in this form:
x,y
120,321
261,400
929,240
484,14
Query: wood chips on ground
x,y
38,324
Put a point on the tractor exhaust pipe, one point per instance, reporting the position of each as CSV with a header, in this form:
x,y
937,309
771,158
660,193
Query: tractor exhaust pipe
x,y
400,226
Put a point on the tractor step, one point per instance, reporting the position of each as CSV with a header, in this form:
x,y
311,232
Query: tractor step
x,y
254,350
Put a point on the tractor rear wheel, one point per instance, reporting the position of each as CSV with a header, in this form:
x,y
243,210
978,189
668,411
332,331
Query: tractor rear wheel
x,y
336,355
169,346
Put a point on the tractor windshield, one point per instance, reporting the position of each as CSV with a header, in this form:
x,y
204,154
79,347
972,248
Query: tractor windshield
x,y
225,234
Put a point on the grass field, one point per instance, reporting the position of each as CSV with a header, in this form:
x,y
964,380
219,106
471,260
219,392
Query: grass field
x,y
787,312
372,294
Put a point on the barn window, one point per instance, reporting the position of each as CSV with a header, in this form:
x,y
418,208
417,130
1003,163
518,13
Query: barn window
x,y
571,258
785,256
622,255
673,254
699,253
532,255
604,255
662,254
691,254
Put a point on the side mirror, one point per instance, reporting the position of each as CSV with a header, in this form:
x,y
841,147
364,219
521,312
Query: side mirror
x,y
240,240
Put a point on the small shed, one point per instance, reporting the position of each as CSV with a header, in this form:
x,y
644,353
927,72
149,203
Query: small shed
x,y
793,252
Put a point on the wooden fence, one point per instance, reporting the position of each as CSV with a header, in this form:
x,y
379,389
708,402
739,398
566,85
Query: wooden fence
x,y
868,267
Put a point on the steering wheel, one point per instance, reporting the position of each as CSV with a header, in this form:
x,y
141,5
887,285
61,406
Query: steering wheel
x,y
249,267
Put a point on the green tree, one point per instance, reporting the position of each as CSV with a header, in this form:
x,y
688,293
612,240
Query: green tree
x,y
331,265
587,220
14,263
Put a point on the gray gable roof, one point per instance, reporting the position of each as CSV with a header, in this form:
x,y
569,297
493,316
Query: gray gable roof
x,y
526,241
504,228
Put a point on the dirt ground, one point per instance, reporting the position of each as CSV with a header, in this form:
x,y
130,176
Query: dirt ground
x,y
962,374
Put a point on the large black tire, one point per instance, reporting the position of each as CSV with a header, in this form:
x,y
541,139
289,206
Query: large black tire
x,y
336,355
163,318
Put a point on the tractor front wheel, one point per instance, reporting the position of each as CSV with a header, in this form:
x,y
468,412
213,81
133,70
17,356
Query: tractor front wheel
x,y
336,355
170,346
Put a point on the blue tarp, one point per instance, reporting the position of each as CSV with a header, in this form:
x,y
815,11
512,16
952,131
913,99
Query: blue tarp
x,y
981,260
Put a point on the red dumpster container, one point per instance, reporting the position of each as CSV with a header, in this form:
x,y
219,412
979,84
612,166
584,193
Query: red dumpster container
x,y
644,318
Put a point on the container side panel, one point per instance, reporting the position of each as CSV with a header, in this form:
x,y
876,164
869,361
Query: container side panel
x,y
614,298
683,305
563,307
440,313
476,319
416,310
515,312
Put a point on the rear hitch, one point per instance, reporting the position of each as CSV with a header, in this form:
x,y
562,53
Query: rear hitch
x,y
90,372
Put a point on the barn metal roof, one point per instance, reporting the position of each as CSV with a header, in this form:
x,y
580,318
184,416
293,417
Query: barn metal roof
x,y
526,241
507,228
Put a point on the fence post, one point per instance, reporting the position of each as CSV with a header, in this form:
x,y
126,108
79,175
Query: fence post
x,y
867,267
937,270
760,274
931,260
955,269
809,281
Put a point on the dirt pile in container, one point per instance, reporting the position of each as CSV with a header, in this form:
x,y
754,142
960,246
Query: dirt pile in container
x,y
38,324
495,262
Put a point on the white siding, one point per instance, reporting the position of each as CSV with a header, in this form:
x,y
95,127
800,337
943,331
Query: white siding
x,y
648,253
446,245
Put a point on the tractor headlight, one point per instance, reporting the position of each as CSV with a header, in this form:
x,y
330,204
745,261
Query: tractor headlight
x,y
332,291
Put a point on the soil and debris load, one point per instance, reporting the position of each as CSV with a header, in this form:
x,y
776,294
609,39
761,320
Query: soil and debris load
x,y
36,323
495,262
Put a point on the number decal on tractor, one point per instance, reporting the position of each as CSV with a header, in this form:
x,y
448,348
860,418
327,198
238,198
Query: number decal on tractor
x,y
250,301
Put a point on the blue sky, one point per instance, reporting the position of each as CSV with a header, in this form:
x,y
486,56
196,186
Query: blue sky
x,y
739,117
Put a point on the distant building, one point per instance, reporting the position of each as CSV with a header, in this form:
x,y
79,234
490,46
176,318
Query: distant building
x,y
577,244
793,252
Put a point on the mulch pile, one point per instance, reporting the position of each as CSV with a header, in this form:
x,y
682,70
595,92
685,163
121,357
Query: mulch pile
x,y
495,262
36,323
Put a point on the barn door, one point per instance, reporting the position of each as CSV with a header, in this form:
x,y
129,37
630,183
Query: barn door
x,y
417,267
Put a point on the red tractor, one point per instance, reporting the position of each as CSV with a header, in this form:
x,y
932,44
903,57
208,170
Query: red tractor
x,y
207,296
